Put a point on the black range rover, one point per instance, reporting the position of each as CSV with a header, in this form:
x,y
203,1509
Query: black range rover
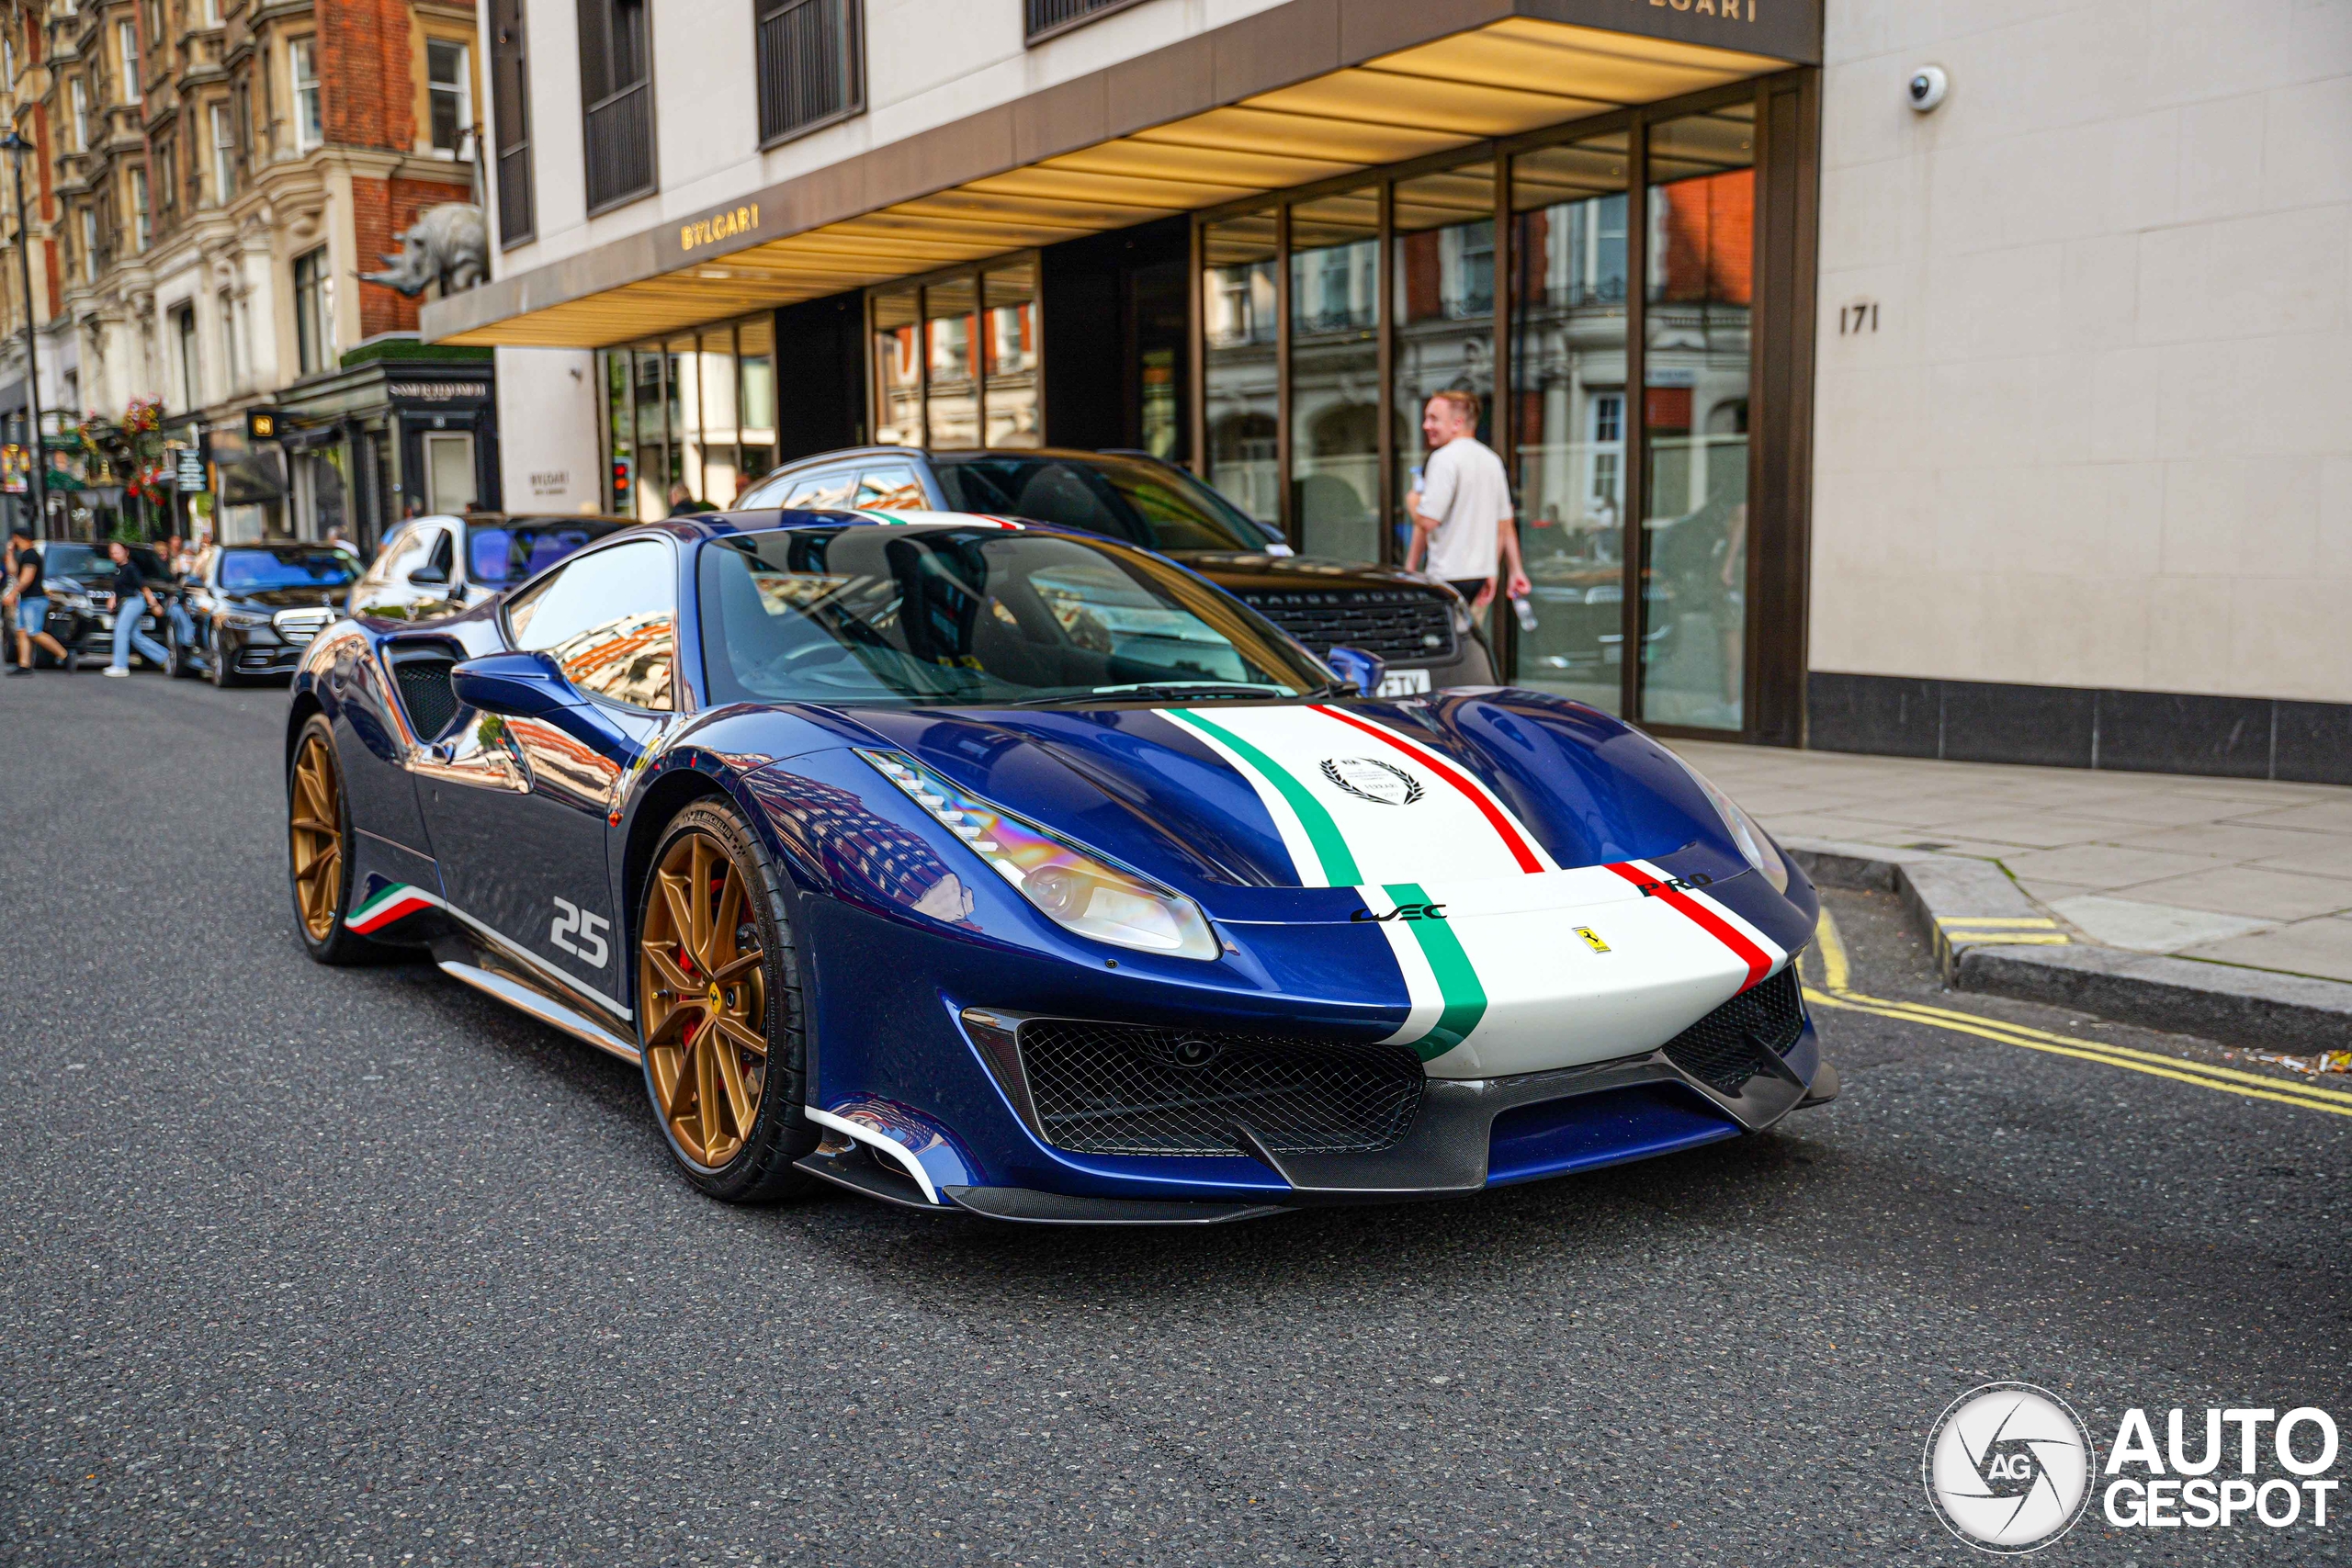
x,y
1421,628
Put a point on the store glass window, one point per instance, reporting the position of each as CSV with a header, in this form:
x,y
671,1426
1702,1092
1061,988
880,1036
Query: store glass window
x,y
897,370
1335,374
1009,332
1239,392
652,438
1700,262
1568,411
683,396
716,372
755,342
951,309
1442,285
620,434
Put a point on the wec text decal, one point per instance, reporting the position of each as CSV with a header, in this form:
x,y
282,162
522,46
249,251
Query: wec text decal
x,y
1404,912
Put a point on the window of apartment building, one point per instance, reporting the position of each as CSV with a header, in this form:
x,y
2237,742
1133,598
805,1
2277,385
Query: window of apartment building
x,y
310,126
80,94
90,245
8,54
617,85
191,385
142,227
233,325
1043,18
310,310
224,154
509,87
811,65
127,40
167,178
448,79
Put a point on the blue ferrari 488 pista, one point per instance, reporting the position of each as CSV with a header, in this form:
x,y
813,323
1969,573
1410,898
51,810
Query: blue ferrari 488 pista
x,y
982,866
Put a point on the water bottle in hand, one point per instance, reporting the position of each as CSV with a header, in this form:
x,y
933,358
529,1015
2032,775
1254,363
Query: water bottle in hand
x,y
1525,612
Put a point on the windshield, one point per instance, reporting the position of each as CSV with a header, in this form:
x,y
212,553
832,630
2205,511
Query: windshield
x,y
513,551
70,561
973,615
1120,498
262,569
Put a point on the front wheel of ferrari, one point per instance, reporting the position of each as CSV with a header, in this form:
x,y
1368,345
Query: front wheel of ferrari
x,y
318,836
719,1010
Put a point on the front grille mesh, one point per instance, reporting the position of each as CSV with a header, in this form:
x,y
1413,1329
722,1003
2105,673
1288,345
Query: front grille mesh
x,y
1398,623
1110,1088
1724,1050
426,694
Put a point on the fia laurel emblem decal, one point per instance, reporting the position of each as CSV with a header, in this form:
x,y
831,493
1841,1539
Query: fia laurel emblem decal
x,y
1367,778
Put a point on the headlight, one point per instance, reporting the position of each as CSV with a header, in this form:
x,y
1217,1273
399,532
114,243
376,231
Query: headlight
x,y
1751,839
1074,889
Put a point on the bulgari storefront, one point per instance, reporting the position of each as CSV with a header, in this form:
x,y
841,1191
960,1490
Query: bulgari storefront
x,y
1269,289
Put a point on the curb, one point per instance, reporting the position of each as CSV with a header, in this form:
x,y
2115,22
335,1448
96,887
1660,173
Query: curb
x,y
1988,936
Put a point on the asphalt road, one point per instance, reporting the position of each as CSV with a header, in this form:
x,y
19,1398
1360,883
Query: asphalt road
x,y
309,1266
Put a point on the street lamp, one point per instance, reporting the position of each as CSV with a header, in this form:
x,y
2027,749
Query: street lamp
x,y
37,462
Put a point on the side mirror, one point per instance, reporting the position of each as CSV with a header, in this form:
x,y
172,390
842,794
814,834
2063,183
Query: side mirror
x,y
428,572
518,685
1354,664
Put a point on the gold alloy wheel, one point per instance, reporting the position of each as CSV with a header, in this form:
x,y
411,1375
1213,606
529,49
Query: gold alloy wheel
x,y
314,827
705,1000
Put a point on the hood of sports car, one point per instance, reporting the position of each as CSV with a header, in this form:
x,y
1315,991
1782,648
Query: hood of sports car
x,y
1275,796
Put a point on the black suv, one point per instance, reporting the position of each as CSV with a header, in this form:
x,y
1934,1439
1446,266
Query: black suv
x,y
252,608
1420,626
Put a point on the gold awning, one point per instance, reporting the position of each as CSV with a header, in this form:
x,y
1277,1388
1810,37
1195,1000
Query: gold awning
x,y
1517,74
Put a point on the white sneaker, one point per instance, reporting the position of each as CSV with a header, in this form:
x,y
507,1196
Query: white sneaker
x,y
112,671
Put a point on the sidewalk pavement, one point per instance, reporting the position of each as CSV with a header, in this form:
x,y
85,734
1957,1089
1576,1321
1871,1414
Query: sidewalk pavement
x,y
2243,872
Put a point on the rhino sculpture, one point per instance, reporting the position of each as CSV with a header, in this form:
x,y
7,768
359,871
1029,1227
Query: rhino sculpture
x,y
447,244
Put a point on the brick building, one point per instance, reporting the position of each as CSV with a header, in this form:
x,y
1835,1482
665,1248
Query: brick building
x,y
211,178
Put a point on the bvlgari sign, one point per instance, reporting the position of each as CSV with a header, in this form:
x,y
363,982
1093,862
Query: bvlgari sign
x,y
1726,11
725,224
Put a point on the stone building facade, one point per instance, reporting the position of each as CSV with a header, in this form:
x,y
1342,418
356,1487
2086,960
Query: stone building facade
x,y
211,177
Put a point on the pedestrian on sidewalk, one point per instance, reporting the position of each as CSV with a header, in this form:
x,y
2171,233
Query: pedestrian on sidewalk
x,y
1462,521
26,601
134,601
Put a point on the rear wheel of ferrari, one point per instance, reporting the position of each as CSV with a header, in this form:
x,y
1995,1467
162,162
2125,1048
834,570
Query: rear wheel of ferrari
x,y
318,830
718,1010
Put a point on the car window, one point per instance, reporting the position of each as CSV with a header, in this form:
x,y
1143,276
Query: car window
x,y
515,552
256,572
970,614
891,489
813,492
610,619
1120,498
400,551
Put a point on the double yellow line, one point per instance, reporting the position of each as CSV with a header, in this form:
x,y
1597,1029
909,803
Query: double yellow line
x,y
1835,993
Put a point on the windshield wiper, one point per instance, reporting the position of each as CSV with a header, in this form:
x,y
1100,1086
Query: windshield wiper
x,y
1162,689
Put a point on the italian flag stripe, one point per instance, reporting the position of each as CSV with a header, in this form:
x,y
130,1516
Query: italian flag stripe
x,y
1530,857
1759,963
1335,863
1464,999
396,902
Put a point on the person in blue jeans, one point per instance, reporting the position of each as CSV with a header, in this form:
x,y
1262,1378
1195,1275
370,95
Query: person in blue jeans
x,y
134,601
28,604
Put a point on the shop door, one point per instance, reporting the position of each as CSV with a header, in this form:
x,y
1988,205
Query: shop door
x,y
449,470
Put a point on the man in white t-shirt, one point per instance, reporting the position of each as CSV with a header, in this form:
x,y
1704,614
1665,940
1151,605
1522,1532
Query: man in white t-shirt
x,y
1462,514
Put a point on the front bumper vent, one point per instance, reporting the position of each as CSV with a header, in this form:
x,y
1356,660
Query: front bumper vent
x,y
1110,1088
1729,1046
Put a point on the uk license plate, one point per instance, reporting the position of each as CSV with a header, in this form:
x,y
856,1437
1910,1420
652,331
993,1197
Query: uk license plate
x,y
1404,683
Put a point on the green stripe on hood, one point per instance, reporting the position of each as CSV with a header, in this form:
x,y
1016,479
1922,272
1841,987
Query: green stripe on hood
x,y
1330,845
1457,980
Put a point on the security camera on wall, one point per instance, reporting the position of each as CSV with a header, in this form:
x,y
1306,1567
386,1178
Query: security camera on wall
x,y
1927,87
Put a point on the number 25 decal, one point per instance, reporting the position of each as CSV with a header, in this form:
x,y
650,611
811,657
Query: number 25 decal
x,y
572,922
